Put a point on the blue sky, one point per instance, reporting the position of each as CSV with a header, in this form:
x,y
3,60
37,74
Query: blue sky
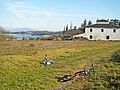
x,y
54,14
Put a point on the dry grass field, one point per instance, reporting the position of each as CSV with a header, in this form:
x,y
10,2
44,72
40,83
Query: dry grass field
x,y
20,67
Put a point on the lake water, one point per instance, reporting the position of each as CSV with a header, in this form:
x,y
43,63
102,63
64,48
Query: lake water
x,y
27,36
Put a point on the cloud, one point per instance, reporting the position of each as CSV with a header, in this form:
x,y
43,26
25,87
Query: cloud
x,y
15,8
21,9
16,12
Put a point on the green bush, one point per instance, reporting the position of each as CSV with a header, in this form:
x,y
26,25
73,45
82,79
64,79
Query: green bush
x,y
116,56
80,38
32,45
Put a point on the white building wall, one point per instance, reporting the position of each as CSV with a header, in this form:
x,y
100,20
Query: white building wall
x,y
98,35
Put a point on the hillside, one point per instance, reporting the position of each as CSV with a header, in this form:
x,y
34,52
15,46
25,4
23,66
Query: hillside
x,y
21,68
32,31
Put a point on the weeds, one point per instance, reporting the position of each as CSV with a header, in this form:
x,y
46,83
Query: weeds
x,y
20,66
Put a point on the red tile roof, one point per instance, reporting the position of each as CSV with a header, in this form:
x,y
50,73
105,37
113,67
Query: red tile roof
x,y
72,32
103,26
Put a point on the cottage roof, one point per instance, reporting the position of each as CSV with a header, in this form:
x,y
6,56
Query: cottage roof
x,y
103,26
72,32
102,20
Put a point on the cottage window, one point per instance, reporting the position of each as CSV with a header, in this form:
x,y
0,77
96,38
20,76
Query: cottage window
x,y
90,30
108,37
90,36
114,30
102,30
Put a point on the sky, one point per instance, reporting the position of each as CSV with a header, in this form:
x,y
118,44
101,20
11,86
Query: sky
x,y
53,15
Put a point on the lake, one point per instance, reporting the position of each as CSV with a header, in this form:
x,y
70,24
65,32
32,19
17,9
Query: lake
x,y
27,36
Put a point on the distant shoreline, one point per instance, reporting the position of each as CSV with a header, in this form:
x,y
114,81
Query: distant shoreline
x,y
27,36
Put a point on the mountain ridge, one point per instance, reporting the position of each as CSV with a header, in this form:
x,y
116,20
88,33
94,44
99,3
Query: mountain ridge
x,y
33,31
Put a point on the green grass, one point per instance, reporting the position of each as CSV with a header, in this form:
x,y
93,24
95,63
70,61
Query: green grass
x,y
20,66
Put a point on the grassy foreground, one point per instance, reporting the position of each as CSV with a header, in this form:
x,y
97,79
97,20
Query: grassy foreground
x,y
20,67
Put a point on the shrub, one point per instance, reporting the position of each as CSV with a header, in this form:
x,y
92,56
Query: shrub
x,y
80,38
4,37
32,45
116,56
